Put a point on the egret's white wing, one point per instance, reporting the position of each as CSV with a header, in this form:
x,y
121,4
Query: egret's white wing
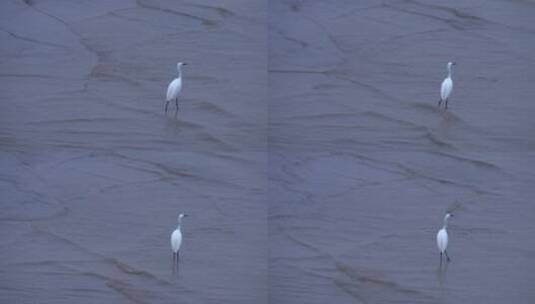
x,y
176,240
445,89
174,88
442,240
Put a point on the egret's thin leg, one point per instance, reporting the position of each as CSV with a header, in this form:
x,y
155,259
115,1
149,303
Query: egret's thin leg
x,y
174,261
447,257
177,259
447,103
176,102
441,258
166,104
439,102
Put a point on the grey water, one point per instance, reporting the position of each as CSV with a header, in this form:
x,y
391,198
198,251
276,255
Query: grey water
x,y
309,151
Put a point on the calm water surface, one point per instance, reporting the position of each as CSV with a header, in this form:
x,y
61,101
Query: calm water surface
x,y
308,152
364,165
94,174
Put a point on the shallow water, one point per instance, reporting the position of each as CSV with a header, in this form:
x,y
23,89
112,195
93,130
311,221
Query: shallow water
x,y
309,151
94,174
365,164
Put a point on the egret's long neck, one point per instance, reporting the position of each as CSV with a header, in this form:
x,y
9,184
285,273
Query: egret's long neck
x,y
445,223
179,72
449,71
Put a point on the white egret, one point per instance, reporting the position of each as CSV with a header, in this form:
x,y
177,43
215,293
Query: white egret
x,y
175,87
442,238
176,241
447,86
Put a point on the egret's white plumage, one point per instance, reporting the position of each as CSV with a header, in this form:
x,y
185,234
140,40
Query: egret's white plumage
x,y
442,238
174,87
446,87
176,241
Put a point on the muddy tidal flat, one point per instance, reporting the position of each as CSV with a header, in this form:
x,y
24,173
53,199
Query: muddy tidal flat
x,y
308,151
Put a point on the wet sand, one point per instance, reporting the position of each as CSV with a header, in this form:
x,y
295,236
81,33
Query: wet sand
x,y
365,165
309,151
94,174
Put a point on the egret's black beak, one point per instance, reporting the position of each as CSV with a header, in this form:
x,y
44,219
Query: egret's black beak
x,y
454,63
185,215
184,63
